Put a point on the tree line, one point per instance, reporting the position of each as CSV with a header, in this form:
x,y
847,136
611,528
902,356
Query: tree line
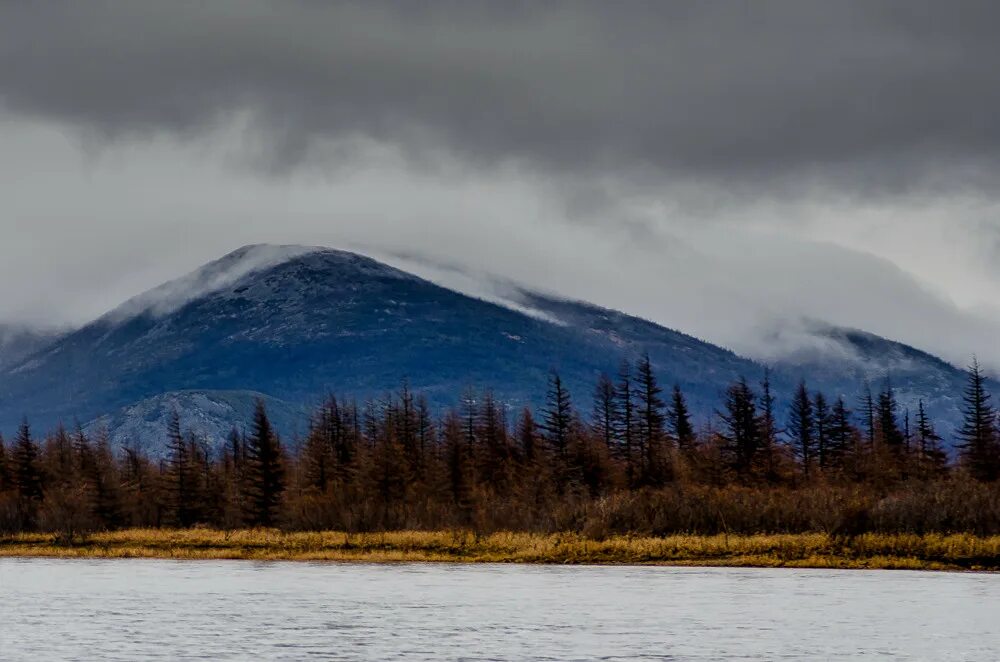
x,y
629,460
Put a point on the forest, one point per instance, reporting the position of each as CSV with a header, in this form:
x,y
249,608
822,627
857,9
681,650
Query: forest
x,y
626,460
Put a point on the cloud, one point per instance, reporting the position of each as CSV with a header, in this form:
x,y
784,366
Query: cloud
x,y
874,96
712,166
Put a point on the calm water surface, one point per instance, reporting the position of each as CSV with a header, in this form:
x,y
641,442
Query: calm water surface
x,y
141,609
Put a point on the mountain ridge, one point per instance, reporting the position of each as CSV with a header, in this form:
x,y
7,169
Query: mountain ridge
x,y
294,322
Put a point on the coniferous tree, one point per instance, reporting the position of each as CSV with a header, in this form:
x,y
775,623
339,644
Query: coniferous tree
x,y
527,437
978,436
264,475
457,463
470,415
867,410
823,423
387,466
651,428
603,416
494,451
679,421
5,480
768,429
557,423
425,434
27,472
802,427
63,465
840,433
103,484
932,457
625,425
741,433
181,474
888,421
408,431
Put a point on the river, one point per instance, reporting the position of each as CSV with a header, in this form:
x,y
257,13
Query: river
x,y
222,610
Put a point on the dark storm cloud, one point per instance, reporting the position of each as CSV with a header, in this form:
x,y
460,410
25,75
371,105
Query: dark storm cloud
x,y
875,95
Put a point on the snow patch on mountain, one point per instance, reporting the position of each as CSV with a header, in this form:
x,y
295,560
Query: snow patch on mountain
x,y
208,416
478,284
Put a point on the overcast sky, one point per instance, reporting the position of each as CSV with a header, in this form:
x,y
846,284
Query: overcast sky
x,y
719,167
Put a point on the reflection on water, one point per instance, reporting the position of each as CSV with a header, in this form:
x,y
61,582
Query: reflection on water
x,y
142,609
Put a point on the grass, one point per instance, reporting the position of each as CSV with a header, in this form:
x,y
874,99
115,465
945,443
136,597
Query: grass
x,y
812,550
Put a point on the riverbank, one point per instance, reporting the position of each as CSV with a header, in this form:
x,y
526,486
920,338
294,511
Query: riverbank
x,y
817,550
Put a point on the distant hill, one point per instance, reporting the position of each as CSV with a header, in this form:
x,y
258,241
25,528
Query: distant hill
x,y
293,323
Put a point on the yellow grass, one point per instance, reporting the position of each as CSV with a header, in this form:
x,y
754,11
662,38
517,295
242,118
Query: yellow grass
x,y
817,550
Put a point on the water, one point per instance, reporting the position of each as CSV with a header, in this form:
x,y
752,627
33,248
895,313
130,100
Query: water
x,y
143,609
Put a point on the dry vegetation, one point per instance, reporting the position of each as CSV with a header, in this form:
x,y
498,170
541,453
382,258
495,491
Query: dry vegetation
x,y
813,550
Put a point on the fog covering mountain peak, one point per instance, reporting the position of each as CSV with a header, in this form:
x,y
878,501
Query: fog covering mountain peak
x,y
212,277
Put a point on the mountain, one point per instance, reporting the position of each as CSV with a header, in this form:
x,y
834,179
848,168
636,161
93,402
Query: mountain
x,y
209,415
293,323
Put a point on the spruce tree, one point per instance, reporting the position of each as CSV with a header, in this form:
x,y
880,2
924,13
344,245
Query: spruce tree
x,y
741,433
625,424
603,416
888,421
802,427
822,418
679,421
867,411
933,459
652,431
5,481
264,475
557,422
768,429
27,472
840,433
978,436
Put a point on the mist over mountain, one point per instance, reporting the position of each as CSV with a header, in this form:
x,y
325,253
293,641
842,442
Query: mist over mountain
x,y
291,324
17,341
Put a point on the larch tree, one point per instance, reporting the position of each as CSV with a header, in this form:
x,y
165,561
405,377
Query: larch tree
x,y
181,474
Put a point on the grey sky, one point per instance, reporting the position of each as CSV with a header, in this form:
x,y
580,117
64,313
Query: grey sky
x,y
711,165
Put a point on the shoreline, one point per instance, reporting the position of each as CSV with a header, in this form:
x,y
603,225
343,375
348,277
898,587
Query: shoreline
x,y
955,552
